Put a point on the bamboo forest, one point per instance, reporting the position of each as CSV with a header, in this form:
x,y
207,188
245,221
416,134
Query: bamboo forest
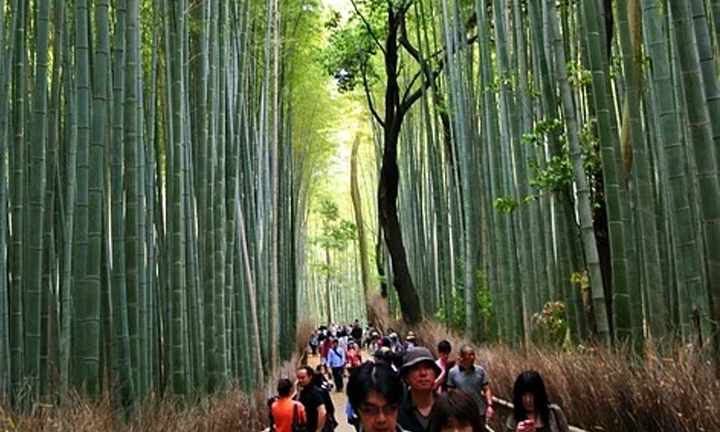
x,y
184,181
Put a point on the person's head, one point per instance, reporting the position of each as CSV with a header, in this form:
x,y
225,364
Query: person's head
x,y
317,378
375,392
444,349
419,369
467,356
529,396
455,411
304,375
284,387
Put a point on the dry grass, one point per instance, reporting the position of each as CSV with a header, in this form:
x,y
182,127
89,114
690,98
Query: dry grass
x,y
599,390
231,411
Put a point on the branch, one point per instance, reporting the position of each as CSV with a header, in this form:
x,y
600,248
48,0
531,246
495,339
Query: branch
x,y
410,86
367,25
369,98
405,43
408,101
408,98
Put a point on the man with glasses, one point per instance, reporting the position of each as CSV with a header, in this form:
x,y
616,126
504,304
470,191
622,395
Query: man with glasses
x,y
375,392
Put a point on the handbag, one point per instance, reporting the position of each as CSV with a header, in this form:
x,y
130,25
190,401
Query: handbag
x,y
296,425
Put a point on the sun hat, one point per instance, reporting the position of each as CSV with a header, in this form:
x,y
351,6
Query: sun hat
x,y
416,355
410,335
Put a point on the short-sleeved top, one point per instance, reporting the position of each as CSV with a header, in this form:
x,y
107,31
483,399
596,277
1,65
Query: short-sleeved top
x,y
283,411
312,399
410,418
471,381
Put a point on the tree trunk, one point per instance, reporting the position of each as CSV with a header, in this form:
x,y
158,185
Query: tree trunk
x,y
371,313
390,178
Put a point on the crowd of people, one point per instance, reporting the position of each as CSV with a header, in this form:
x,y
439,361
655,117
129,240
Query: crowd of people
x,y
403,388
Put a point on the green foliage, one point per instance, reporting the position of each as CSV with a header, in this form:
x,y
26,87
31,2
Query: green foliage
x,y
336,232
578,77
352,45
506,204
458,315
541,130
556,177
550,325
590,148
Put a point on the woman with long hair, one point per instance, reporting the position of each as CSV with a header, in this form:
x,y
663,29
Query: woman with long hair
x,y
532,410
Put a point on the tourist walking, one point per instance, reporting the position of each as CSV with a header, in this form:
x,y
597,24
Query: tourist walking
x,y
336,362
532,411
284,411
419,372
444,349
472,379
312,399
353,356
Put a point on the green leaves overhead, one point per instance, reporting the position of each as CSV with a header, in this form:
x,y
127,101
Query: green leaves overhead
x,y
336,232
351,47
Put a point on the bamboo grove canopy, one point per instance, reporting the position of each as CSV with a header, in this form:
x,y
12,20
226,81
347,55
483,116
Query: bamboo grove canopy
x,y
160,160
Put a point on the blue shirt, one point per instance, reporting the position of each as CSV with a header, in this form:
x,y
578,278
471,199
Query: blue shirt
x,y
336,358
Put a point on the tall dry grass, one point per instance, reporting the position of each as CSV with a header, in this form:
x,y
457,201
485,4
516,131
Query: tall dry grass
x,y
598,389
230,411
601,389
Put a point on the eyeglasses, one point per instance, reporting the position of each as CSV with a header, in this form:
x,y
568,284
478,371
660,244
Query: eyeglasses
x,y
374,410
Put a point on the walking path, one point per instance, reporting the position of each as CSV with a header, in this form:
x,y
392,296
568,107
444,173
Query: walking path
x,y
339,398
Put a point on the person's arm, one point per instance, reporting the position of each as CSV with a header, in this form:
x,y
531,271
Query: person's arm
x,y
439,380
322,416
451,380
560,418
490,413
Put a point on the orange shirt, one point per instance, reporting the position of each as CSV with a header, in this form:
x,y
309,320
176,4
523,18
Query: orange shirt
x,y
282,413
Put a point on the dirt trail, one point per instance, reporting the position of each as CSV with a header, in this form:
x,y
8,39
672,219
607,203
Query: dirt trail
x,y
339,398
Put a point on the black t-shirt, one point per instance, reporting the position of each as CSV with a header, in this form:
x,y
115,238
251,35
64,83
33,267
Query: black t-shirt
x,y
311,398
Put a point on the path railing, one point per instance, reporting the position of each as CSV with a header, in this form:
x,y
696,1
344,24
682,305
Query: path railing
x,y
509,406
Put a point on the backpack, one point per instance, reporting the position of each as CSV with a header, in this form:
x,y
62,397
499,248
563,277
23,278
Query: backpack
x,y
270,402
296,425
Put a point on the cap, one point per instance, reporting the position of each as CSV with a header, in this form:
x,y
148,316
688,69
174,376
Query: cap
x,y
417,355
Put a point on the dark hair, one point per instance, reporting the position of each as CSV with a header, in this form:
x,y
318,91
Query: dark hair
x,y
318,379
308,369
284,387
530,382
374,378
444,347
455,406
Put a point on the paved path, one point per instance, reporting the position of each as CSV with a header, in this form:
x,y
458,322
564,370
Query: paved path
x,y
339,398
